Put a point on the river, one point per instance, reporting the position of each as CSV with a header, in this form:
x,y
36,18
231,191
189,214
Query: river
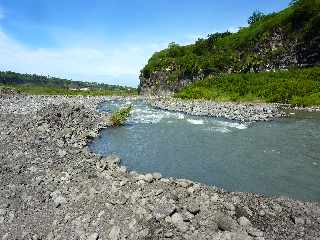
x,y
277,158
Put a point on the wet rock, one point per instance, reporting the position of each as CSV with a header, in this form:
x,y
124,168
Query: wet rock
x,y
113,159
102,165
157,176
148,178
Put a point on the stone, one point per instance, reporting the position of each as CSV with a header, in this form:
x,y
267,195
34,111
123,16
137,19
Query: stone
x,y
93,236
193,207
163,210
115,233
276,207
178,222
230,206
148,178
234,236
225,222
184,183
243,221
262,213
255,232
62,153
299,220
59,200
157,176
102,165
113,159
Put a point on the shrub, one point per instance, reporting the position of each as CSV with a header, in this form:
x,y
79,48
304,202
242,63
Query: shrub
x,y
296,86
119,117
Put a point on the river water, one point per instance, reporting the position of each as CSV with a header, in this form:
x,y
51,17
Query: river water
x,y
278,158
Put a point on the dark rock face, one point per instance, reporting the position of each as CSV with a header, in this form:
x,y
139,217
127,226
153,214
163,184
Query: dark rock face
x,y
160,84
52,187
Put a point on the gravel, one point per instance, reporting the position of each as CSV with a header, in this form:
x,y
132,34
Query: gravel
x,y
52,187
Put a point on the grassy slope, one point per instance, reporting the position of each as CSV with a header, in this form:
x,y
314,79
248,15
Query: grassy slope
x,y
297,86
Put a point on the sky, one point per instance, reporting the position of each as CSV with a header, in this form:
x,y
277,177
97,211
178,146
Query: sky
x,y
109,41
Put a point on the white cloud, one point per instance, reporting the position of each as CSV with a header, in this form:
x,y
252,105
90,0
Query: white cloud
x,y
79,63
234,29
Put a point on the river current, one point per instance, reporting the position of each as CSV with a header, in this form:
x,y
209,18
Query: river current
x,y
277,158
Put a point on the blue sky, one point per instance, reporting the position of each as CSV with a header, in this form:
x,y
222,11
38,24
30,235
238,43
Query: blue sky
x,y
109,40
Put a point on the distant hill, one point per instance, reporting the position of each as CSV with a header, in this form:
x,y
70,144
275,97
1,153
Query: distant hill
x,y
37,84
271,42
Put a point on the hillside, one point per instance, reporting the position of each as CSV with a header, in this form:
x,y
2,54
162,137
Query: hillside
x,y
277,41
37,84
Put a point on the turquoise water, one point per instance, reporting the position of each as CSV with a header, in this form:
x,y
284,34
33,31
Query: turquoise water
x,y
278,158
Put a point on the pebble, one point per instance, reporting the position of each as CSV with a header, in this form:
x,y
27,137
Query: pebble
x,y
93,236
299,220
115,233
243,221
177,220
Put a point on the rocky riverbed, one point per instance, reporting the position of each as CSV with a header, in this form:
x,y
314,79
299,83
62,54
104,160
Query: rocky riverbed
x,y
243,112
52,187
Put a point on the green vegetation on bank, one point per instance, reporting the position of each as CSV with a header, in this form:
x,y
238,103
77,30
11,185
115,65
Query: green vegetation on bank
x,y
296,86
248,50
120,116
42,85
45,90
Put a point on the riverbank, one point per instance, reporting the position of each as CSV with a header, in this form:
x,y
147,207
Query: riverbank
x,y
48,176
239,111
243,112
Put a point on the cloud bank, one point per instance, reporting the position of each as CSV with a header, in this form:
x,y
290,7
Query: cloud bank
x,y
109,64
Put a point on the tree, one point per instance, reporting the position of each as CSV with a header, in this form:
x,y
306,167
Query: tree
x,y
256,17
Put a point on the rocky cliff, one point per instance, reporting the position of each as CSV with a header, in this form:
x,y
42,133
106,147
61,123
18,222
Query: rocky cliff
x,y
290,38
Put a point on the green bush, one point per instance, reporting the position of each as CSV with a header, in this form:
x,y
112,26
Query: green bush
x,y
296,86
120,116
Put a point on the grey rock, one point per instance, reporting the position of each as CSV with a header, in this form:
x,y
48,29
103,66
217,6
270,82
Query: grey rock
x,y
243,221
299,220
193,207
113,159
163,210
225,222
93,236
255,232
157,176
148,177
115,233
177,220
